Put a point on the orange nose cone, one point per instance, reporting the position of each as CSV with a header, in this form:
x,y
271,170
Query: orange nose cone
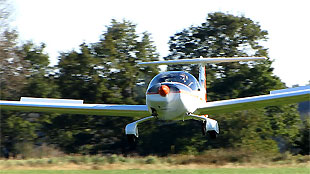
x,y
163,90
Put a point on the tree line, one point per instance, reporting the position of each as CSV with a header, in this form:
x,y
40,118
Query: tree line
x,y
106,72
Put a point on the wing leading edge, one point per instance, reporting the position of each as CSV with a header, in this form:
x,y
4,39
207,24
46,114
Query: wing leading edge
x,y
74,107
278,97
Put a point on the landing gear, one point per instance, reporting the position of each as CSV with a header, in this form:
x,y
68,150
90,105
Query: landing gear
x,y
132,141
203,127
208,125
212,134
132,133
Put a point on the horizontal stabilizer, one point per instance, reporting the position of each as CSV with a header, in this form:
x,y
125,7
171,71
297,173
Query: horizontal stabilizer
x,y
203,60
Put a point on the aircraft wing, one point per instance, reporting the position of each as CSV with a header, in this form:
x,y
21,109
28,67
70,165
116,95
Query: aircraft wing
x,y
73,107
278,97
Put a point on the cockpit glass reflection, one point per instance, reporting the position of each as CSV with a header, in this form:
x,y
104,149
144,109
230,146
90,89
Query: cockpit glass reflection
x,y
177,76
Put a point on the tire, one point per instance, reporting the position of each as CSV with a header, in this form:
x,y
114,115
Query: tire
x,y
132,141
212,134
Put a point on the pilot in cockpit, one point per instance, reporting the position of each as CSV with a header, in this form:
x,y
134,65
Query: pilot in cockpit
x,y
183,78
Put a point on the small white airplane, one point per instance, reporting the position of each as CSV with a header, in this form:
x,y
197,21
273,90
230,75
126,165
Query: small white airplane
x,y
172,95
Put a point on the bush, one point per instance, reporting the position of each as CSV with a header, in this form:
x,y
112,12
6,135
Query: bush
x,y
151,160
98,160
112,159
217,156
27,150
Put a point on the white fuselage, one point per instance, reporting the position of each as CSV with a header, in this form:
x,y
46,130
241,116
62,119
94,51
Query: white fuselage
x,y
175,105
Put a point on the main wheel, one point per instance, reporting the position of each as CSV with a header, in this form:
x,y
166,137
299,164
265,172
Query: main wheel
x,y
212,134
132,141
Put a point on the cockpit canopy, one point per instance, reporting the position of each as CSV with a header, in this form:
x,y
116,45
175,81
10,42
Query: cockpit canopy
x,y
176,76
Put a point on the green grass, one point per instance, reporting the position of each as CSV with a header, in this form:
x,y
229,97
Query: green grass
x,y
77,164
302,170
213,158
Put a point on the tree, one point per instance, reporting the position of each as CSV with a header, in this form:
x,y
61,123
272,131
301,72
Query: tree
x,y
22,74
40,80
22,129
120,51
79,76
225,35
102,72
12,80
12,65
303,142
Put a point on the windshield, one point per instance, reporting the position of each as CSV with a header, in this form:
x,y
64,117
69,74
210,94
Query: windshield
x,y
176,76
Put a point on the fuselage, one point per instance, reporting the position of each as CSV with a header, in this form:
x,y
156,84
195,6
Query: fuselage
x,y
171,95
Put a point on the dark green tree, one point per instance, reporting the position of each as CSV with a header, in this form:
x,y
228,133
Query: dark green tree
x,y
120,50
303,141
79,76
40,79
225,35
103,72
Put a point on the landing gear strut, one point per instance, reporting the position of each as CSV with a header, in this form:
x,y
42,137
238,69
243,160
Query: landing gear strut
x,y
132,133
208,125
203,127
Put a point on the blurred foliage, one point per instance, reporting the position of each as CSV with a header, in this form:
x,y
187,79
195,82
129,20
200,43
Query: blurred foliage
x,y
304,138
107,72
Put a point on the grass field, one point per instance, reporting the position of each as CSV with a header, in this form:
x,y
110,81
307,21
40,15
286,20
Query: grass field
x,y
301,170
116,164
